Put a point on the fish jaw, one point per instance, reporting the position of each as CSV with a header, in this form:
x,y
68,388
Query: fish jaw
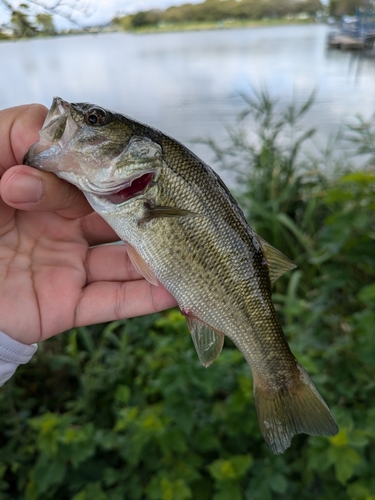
x,y
58,129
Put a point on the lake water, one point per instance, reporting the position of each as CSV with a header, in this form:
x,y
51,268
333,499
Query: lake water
x,y
188,84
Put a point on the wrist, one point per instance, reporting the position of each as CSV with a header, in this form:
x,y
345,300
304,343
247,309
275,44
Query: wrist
x,y
18,333
12,354
13,350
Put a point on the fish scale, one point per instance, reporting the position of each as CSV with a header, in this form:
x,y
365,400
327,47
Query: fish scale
x,y
185,230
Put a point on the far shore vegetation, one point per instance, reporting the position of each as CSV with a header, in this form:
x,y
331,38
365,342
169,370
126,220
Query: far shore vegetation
x,y
223,24
209,14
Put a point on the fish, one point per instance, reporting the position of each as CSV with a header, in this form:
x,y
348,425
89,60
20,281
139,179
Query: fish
x,y
184,229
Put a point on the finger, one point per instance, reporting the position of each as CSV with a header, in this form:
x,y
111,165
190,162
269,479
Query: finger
x,y
26,188
110,263
19,127
108,301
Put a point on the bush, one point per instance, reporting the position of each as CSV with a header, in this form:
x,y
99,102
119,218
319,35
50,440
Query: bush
x,y
145,18
213,11
125,410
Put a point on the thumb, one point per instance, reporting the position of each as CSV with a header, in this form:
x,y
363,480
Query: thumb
x,y
26,188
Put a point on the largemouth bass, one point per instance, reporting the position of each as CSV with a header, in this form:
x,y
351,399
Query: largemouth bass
x,y
183,228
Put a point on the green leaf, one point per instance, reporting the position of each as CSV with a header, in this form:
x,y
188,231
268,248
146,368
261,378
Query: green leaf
x,y
82,495
86,338
358,491
222,470
341,438
233,468
122,393
241,464
306,242
367,294
174,490
228,490
48,472
278,483
358,439
358,177
163,488
345,460
90,492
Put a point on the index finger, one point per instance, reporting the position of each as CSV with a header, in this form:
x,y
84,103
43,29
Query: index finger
x,y
19,129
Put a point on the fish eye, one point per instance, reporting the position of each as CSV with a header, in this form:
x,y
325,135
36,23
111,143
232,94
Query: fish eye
x,y
96,117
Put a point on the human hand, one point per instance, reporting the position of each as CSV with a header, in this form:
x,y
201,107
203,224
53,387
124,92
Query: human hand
x,y
50,278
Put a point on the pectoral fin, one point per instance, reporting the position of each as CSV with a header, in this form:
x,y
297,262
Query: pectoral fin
x,y
207,341
155,212
141,266
278,262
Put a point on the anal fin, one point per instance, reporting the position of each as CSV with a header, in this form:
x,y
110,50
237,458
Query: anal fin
x,y
208,342
141,266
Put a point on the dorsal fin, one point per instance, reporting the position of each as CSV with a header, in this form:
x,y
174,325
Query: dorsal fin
x,y
208,342
278,263
141,266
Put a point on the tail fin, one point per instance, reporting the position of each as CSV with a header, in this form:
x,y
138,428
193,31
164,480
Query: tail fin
x,y
293,410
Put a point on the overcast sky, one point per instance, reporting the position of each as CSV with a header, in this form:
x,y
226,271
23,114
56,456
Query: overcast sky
x,y
101,11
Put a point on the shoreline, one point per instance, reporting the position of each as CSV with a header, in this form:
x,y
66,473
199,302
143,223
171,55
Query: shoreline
x,y
225,24
178,27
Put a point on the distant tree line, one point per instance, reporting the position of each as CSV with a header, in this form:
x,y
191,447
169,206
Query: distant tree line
x,y
340,8
23,22
218,10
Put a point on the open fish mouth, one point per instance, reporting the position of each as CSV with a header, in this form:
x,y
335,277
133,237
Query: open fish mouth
x,y
58,108
58,129
131,188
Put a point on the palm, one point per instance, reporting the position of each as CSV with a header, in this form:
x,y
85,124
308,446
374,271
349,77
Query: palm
x,y
54,274
42,257
53,280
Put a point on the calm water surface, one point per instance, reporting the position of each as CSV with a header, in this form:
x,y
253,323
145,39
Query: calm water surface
x,y
188,84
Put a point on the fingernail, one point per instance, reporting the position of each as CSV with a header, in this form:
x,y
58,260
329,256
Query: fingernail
x,y
23,188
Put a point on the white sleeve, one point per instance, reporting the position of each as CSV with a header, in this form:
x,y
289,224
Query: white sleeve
x,y
13,354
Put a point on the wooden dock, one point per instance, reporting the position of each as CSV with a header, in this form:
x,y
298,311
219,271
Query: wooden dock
x,y
345,42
